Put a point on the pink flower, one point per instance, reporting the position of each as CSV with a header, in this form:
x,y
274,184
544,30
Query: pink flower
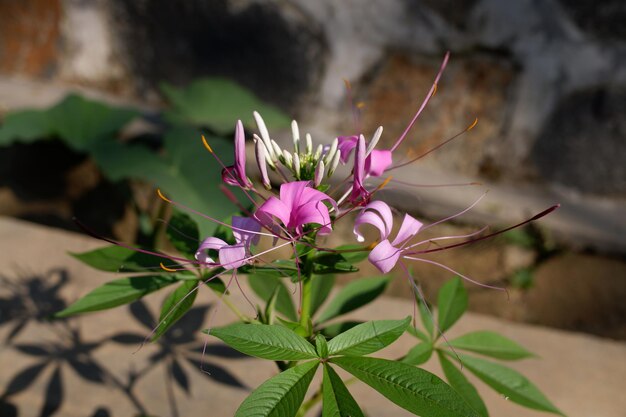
x,y
386,254
376,161
236,174
297,206
246,233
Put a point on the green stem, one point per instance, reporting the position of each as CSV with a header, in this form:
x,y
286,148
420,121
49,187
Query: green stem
x,y
305,308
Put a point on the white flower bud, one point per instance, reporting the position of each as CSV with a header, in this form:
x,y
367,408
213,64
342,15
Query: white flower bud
x,y
309,144
335,162
374,140
296,136
331,152
319,173
296,165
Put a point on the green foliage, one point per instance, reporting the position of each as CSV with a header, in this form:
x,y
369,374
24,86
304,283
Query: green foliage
x,y
490,344
337,401
175,306
117,292
120,259
183,234
265,341
281,395
320,290
413,389
354,295
217,103
452,299
509,383
368,337
451,303
264,284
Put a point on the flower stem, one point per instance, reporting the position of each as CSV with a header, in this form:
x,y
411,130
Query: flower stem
x,y
305,309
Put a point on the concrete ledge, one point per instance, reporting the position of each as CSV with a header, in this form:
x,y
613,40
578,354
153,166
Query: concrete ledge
x,y
582,375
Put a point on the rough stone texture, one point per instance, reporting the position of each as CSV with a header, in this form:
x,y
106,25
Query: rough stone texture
x,y
582,375
583,145
475,86
29,36
603,19
271,49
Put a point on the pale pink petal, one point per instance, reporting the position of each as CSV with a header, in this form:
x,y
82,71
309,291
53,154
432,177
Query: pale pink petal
x,y
384,256
245,230
232,257
377,162
373,219
409,228
210,243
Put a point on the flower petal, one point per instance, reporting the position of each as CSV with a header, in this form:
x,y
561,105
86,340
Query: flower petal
x,y
409,228
245,230
377,162
210,243
233,256
384,256
346,145
314,212
273,207
377,214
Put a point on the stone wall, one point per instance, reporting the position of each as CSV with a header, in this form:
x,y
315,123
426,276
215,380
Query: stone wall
x,y
546,79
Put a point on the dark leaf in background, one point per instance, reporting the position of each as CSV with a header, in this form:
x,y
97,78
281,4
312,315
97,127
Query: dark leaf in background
x,y
354,295
183,233
119,259
33,350
54,394
87,369
140,311
332,330
222,351
216,373
24,379
128,339
264,284
320,290
179,375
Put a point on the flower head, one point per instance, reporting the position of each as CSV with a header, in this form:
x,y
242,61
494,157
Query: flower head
x,y
245,231
298,205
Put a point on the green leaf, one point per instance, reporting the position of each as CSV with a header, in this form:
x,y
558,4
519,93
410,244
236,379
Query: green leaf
x,y
413,389
336,399
118,292
264,341
320,290
426,315
413,331
328,263
216,284
175,306
264,285
335,329
120,259
509,383
451,303
459,382
359,253
419,354
368,337
281,395
321,346
490,344
82,123
354,295
184,171
183,234
218,103
24,126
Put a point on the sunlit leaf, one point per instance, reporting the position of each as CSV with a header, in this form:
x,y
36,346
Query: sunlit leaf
x,y
451,303
368,337
336,399
175,306
490,344
460,383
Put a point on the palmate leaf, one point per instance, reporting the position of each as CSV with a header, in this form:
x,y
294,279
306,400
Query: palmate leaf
x,y
118,292
367,337
328,263
175,306
24,126
119,259
185,172
451,303
271,342
337,400
509,383
265,283
217,103
320,290
419,354
281,395
354,295
459,382
490,344
182,232
413,389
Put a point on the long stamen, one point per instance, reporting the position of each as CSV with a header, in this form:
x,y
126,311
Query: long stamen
x,y
465,210
461,184
447,268
431,92
433,149
535,217
437,239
